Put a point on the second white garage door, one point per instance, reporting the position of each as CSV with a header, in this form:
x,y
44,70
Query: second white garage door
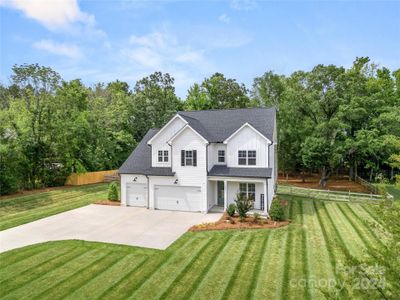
x,y
184,198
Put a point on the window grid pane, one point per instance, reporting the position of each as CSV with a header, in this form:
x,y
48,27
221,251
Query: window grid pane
x,y
189,158
221,156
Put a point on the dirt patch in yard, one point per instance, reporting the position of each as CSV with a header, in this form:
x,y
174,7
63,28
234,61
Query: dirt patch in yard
x,y
336,183
108,202
227,222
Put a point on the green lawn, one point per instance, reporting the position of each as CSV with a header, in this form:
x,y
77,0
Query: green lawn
x,y
249,264
19,210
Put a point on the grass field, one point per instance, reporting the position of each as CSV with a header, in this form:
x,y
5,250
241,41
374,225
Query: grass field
x,y
249,264
19,210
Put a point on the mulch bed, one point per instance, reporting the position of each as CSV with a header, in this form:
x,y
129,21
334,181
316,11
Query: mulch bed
x,y
108,202
225,223
341,183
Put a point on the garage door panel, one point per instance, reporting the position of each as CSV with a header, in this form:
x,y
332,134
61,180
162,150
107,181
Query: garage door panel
x,y
136,194
183,198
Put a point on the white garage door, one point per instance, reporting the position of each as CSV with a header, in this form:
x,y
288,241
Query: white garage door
x,y
184,198
136,194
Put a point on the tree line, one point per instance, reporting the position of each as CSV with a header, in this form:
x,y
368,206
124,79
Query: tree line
x,y
330,118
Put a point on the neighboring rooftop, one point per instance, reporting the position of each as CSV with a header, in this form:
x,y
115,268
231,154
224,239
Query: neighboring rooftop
x,y
218,125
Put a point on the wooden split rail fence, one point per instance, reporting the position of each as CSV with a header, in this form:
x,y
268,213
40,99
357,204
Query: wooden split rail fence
x,y
329,195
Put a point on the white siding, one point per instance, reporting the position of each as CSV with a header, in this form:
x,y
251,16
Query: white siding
x,y
247,139
213,154
129,178
160,142
190,175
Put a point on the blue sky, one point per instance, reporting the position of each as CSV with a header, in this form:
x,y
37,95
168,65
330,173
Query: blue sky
x,y
126,40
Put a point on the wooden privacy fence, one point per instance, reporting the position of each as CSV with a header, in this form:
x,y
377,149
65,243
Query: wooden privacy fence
x,y
90,177
328,195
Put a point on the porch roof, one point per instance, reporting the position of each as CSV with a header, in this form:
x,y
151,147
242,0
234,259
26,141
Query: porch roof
x,y
219,170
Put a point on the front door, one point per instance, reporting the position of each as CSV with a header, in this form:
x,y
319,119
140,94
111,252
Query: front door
x,y
220,193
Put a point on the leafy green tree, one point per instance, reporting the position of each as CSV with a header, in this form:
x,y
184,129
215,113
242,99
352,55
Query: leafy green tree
x,y
217,92
154,102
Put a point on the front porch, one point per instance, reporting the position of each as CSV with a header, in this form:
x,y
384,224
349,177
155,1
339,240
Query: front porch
x,y
222,192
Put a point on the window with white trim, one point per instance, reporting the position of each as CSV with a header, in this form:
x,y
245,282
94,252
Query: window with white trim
x,y
221,156
189,158
251,158
247,157
162,155
242,157
248,190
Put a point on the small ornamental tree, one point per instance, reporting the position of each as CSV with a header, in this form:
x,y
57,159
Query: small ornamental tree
x,y
113,191
276,212
243,205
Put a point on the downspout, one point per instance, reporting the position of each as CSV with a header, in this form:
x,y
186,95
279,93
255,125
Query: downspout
x,y
266,184
148,191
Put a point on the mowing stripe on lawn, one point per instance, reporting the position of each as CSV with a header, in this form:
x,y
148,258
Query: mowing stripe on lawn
x,y
135,279
36,271
194,284
304,246
352,241
258,263
27,264
287,263
365,215
368,231
76,281
122,278
341,242
271,266
372,213
294,264
317,251
51,204
360,232
58,274
166,274
204,249
18,204
29,257
236,270
95,287
214,285
242,280
18,198
10,257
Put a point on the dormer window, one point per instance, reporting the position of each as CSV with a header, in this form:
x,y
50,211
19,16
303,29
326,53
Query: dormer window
x,y
221,156
163,156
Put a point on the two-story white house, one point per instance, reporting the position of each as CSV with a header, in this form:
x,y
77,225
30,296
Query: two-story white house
x,y
201,160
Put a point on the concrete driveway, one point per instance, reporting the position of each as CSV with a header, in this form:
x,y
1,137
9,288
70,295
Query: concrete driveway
x,y
110,224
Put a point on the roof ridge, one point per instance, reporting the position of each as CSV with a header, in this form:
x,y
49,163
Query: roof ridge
x,y
221,109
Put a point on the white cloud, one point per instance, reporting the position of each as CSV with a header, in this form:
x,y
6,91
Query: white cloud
x,y
159,50
243,4
62,49
224,18
54,14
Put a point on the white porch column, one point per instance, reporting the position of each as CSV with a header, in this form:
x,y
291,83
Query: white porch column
x,y
225,195
265,198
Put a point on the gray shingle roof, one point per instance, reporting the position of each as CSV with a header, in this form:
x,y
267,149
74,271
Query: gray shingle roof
x,y
214,126
139,162
240,172
218,125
